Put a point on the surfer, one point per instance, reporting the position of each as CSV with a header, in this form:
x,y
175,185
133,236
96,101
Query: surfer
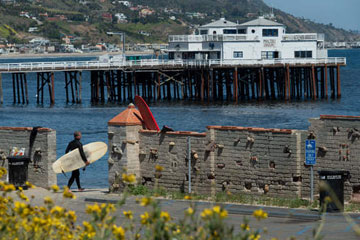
x,y
74,144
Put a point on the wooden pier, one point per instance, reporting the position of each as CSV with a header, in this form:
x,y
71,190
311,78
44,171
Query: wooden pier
x,y
231,81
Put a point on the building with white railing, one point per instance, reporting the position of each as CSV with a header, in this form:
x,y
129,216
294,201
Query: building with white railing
x,y
257,39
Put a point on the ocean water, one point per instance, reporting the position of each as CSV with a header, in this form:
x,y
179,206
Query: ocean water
x,y
185,116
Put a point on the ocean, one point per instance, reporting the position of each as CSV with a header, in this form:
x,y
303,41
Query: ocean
x,y
180,115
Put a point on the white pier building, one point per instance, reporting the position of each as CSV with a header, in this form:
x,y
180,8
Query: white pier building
x,y
254,40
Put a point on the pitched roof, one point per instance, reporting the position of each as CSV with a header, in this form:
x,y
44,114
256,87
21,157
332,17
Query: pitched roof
x,y
261,21
222,22
127,117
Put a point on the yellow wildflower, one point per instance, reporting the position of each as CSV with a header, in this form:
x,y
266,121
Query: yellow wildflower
x,y
23,196
3,171
48,200
159,168
217,209
245,227
71,215
57,211
327,199
93,208
9,188
29,185
145,218
189,211
165,216
68,194
128,214
118,232
187,197
260,214
131,178
145,201
255,237
206,213
55,188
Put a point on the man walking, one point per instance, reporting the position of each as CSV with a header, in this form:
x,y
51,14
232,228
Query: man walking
x,y
74,144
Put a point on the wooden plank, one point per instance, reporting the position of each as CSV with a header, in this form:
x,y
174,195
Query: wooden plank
x,y
236,90
338,82
80,86
26,89
326,81
1,91
52,88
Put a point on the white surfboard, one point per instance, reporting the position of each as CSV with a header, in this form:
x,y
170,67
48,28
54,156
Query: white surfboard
x,y
72,160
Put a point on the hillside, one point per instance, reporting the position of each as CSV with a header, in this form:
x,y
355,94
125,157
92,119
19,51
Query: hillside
x,y
87,21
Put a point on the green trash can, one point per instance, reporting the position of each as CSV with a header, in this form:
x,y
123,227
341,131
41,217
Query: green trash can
x,y
18,170
335,182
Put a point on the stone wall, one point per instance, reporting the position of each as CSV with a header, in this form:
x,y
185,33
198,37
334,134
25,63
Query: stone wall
x,y
245,160
43,153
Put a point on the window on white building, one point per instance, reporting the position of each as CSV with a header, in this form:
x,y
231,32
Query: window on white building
x,y
229,31
270,32
238,54
270,55
303,54
203,32
241,31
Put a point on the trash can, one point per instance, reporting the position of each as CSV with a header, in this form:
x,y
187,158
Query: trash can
x,y
332,185
18,170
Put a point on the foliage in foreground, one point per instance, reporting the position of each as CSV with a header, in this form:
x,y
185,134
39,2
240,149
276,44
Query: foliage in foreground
x,y
19,219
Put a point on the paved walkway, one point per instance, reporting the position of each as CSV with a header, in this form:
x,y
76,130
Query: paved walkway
x,y
282,222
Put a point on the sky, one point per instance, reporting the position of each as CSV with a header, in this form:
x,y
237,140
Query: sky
x,y
341,13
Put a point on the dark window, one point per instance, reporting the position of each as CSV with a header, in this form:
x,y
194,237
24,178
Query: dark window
x,y
253,31
203,32
238,54
303,54
270,55
241,31
171,55
214,32
229,31
270,32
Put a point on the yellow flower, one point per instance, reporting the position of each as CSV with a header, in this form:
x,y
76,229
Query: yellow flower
x,y
9,188
159,168
189,211
55,188
128,214
2,171
118,232
57,211
131,178
217,209
71,215
145,201
206,213
165,216
48,200
68,194
137,236
23,196
93,209
245,227
29,185
187,197
327,199
260,214
255,236
223,213
145,218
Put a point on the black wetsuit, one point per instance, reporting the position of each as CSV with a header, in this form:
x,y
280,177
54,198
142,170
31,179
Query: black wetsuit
x,y
74,144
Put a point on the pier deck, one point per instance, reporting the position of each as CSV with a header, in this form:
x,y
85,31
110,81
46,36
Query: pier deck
x,y
202,80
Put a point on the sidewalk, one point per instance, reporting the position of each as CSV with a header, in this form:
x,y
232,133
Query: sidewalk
x,y
281,223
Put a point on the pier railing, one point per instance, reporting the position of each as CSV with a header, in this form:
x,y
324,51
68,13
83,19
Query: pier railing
x,y
93,65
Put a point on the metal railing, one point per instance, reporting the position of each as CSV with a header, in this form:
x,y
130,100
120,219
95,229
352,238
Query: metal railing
x,y
303,36
93,65
211,38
